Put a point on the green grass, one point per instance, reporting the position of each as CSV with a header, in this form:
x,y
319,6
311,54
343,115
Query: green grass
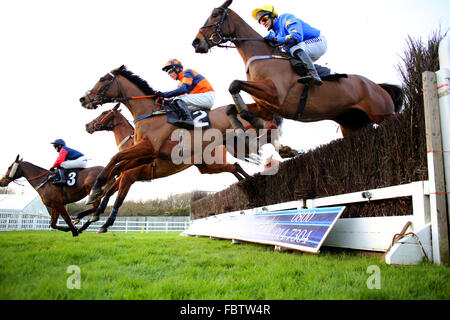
x,y
33,265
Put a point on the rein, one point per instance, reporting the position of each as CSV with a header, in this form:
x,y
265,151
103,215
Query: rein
x,y
37,177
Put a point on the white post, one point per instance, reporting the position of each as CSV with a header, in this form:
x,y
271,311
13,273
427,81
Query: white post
x,y
438,215
443,80
167,226
126,225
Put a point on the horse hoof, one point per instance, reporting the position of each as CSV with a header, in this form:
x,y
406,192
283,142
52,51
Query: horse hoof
x,y
102,230
76,221
94,219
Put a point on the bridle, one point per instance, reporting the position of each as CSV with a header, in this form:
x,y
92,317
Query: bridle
x,y
100,97
97,125
217,38
100,94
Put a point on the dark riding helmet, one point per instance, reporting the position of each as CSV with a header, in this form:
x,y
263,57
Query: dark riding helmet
x,y
58,142
173,64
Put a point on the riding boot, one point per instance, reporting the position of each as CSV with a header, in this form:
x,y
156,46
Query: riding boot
x,y
312,77
62,177
182,110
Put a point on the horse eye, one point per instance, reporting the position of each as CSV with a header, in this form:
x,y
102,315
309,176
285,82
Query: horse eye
x,y
215,15
102,79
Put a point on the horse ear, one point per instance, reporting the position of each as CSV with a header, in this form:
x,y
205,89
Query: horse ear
x,y
116,107
17,158
226,4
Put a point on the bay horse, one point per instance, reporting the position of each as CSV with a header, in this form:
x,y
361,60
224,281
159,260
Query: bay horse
x,y
113,120
54,197
152,133
352,102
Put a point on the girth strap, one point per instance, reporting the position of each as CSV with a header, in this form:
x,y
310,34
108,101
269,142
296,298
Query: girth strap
x,y
254,58
302,104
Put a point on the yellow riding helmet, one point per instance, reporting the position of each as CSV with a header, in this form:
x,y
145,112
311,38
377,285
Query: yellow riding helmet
x,y
268,8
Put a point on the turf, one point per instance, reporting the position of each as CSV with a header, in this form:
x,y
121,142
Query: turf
x,y
34,265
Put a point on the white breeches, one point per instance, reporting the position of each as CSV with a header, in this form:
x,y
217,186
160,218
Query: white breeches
x,y
315,47
204,101
81,162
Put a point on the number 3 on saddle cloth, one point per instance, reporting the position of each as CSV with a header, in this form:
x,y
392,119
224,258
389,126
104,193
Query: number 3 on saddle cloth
x,y
200,117
70,177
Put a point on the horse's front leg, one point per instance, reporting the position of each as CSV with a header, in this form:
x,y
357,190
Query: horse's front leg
x,y
101,208
60,210
264,91
126,181
142,150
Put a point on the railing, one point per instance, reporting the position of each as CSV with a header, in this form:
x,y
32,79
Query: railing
x,y
13,221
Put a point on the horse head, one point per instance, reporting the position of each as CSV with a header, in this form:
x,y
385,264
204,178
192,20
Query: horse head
x,y
104,122
103,91
214,32
14,172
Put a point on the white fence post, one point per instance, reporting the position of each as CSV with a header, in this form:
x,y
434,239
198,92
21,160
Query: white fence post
x,y
443,86
438,206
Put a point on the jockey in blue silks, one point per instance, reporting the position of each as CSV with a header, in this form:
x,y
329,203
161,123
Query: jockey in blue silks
x,y
301,40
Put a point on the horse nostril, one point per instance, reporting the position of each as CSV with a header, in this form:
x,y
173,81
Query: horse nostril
x,y
196,42
82,99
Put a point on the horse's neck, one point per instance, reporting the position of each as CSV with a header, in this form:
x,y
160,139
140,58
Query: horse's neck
x,y
137,107
122,130
248,48
31,171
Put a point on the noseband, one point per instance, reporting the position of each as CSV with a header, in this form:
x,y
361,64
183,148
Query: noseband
x,y
97,125
100,94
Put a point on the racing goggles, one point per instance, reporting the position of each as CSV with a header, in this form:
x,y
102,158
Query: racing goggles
x,y
264,19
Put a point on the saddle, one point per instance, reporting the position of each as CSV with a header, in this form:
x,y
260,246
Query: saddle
x,y
70,176
200,118
324,73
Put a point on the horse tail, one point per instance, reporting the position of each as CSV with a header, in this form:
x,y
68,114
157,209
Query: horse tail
x,y
396,94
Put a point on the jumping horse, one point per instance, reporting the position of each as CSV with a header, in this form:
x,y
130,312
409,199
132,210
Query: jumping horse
x,y
113,120
54,197
353,102
152,133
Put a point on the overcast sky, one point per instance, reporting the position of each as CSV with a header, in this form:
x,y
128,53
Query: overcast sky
x,y
52,52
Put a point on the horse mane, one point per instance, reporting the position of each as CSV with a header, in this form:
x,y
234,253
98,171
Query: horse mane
x,y
138,81
33,165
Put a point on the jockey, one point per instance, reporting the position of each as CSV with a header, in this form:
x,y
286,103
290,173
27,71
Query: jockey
x,y
194,91
67,159
306,43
